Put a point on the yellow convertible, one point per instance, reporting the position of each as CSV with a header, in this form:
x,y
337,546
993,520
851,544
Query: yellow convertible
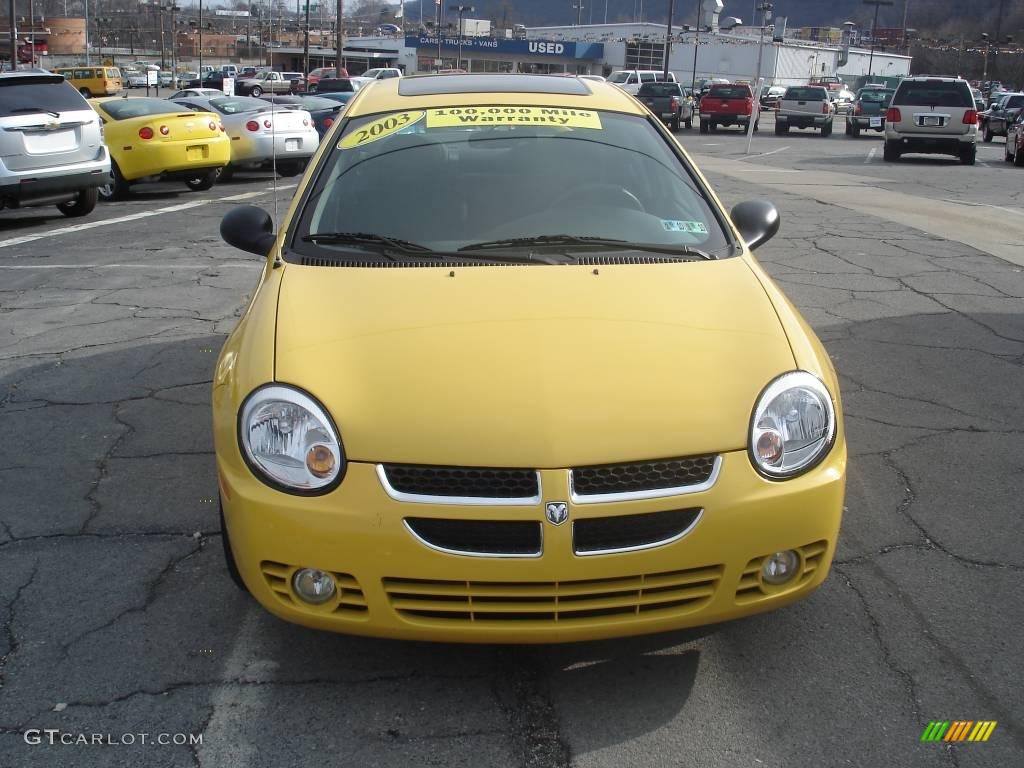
x,y
157,140
552,397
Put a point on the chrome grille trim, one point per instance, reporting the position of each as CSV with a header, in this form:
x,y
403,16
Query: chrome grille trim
x,y
469,501
638,547
654,493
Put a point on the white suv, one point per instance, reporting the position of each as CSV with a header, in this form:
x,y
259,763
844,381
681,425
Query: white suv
x,y
932,115
630,80
382,73
51,145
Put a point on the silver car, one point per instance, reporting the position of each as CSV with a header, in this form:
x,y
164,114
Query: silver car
x,y
51,143
262,134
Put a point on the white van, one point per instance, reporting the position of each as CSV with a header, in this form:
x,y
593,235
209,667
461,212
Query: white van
x,y
630,80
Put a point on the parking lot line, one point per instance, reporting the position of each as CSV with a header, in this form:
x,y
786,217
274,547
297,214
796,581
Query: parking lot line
x,y
121,219
871,155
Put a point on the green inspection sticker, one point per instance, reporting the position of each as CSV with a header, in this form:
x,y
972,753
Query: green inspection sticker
x,y
378,129
690,227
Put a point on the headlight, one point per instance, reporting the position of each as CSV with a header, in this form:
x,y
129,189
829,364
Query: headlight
x,y
793,425
289,441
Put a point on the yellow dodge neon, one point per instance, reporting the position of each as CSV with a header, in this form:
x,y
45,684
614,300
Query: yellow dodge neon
x,y
158,140
550,397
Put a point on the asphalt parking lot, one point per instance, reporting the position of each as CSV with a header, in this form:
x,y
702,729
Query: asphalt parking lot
x,y
118,618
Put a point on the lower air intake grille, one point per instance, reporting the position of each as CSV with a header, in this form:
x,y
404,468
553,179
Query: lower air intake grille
x,y
479,603
496,538
349,602
643,476
752,589
605,535
462,482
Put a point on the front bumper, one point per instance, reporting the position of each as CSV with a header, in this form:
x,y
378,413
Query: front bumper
x,y
258,148
392,585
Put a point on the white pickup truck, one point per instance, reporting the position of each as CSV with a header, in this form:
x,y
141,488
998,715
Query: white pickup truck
x,y
805,106
630,80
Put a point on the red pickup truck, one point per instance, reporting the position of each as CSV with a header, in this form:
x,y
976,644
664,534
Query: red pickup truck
x,y
726,104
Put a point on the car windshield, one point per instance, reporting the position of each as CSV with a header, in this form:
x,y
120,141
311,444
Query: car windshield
x,y
233,105
55,96
935,93
505,172
729,92
805,94
875,96
659,89
124,109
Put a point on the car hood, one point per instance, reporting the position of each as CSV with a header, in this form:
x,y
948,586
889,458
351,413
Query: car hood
x,y
531,366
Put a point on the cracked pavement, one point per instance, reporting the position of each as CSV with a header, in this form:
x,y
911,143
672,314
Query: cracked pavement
x,y
118,616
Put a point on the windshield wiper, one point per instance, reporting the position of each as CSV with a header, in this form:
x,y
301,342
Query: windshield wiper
x,y
365,238
408,249
605,243
35,109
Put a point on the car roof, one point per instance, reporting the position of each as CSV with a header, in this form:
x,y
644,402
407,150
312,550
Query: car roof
x,y
426,91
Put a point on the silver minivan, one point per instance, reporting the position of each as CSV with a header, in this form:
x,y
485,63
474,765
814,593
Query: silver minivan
x,y
51,144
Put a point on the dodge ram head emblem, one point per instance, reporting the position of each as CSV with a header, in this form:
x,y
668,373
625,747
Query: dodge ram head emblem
x,y
557,512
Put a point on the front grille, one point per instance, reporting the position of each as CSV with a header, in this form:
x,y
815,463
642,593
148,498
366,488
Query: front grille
x,y
751,588
482,603
349,601
462,482
493,538
621,533
660,477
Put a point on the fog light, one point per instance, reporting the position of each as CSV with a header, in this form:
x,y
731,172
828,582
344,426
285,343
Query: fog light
x,y
313,586
780,567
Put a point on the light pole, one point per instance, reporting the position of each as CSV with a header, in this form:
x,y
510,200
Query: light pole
x,y
755,107
874,25
668,37
696,44
578,7
461,9
340,63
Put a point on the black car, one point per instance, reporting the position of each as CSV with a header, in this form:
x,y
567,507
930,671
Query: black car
x,y
212,80
1001,114
324,112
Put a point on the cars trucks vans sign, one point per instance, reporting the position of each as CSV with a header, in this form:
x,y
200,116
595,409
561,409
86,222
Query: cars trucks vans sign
x,y
569,50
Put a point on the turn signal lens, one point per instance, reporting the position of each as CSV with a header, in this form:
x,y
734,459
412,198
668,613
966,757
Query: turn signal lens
x,y
266,123
769,447
146,133
971,117
252,125
320,460
221,126
213,126
328,122
893,115
164,130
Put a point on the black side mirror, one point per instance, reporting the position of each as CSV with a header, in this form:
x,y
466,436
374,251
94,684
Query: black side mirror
x,y
248,228
757,221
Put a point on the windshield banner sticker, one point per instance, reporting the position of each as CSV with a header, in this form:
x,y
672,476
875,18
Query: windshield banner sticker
x,y
691,227
461,116
378,129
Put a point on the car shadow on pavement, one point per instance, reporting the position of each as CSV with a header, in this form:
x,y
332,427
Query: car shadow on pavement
x,y
146,607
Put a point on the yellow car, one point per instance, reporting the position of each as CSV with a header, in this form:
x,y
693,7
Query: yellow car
x,y
157,140
550,397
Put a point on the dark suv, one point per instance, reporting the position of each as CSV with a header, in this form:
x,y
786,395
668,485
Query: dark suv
x,y
51,145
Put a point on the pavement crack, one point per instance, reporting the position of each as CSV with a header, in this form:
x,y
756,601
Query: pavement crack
x,y
521,690
12,640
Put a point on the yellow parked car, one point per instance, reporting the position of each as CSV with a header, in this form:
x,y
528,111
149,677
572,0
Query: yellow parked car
x,y
93,81
157,140
553,397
